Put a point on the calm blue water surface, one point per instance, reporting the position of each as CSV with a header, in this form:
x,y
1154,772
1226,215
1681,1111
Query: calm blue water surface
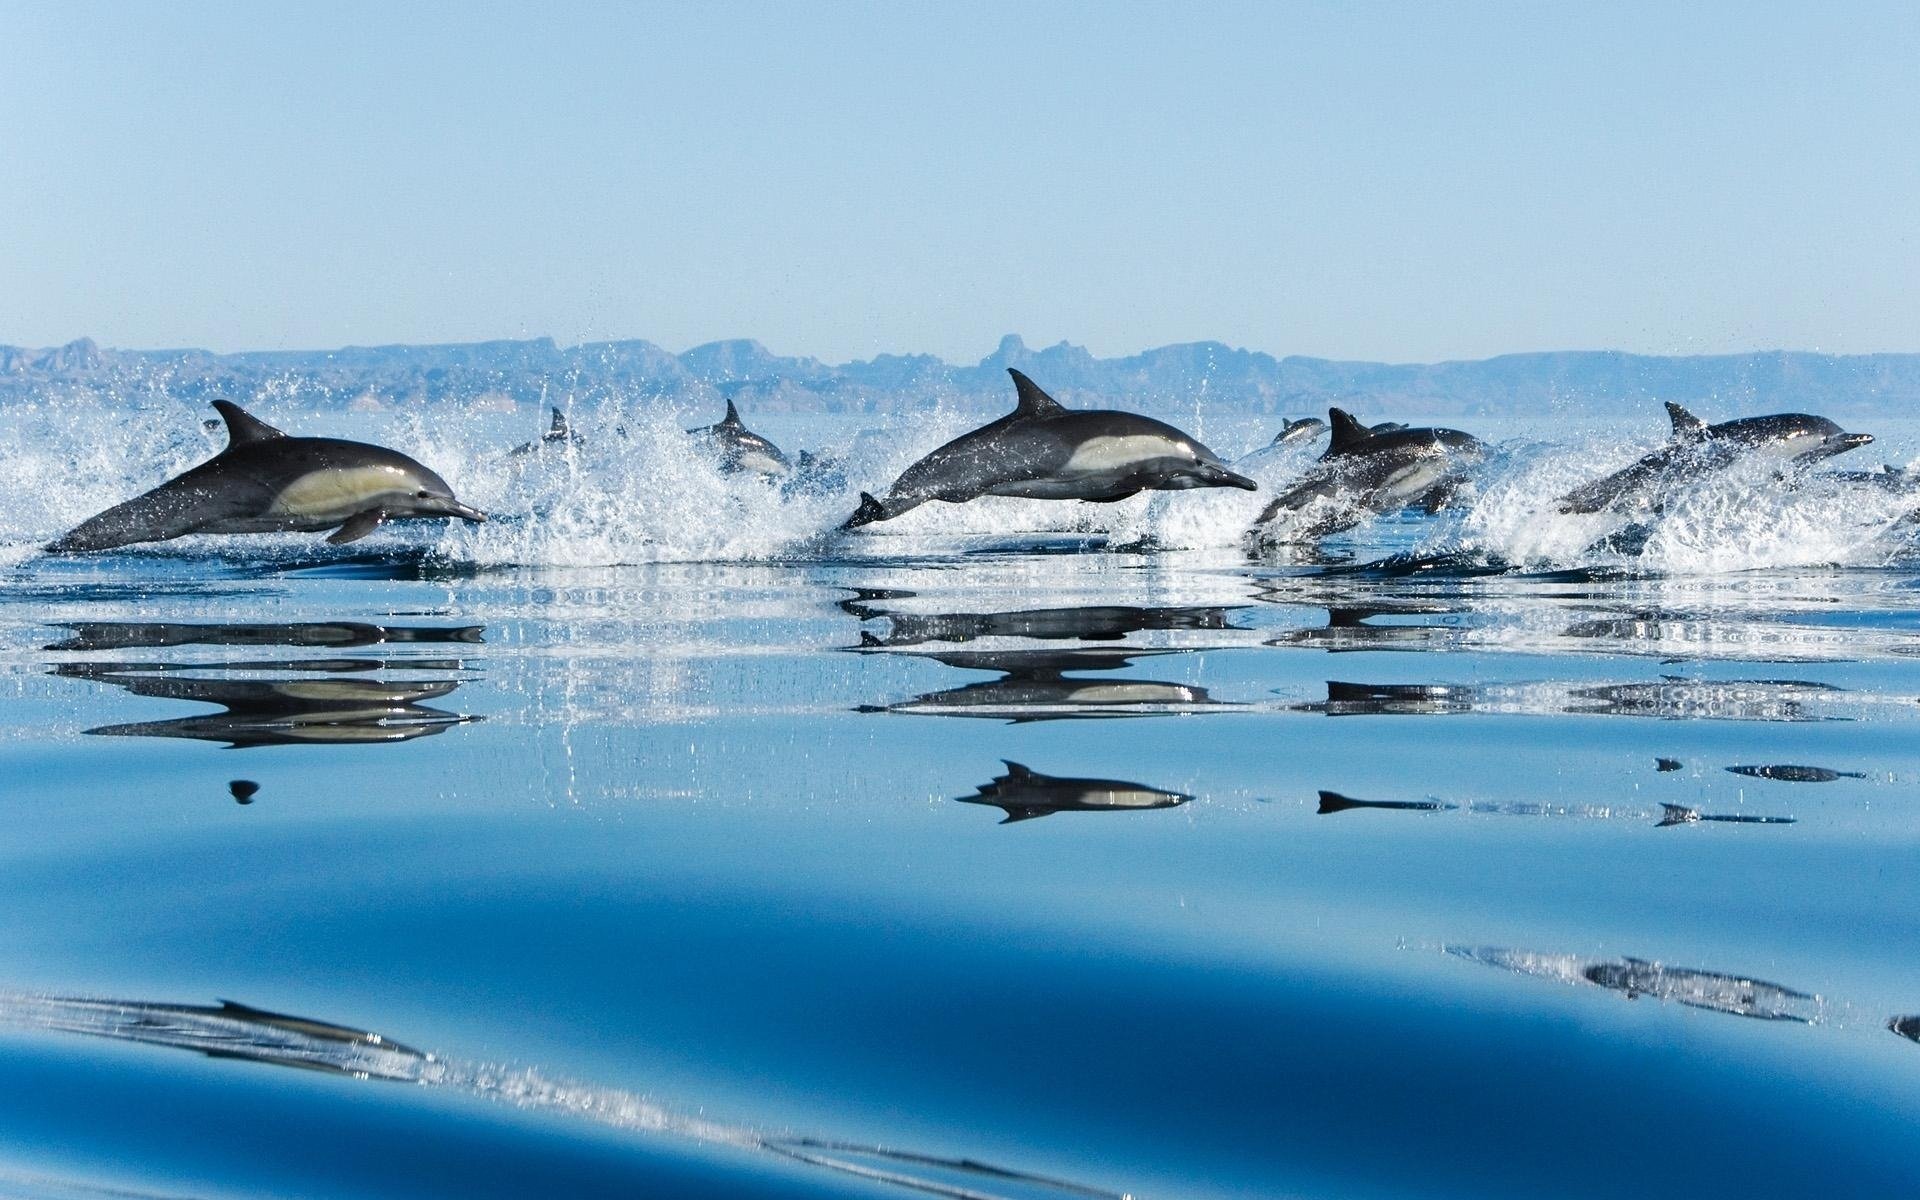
x,y
697,877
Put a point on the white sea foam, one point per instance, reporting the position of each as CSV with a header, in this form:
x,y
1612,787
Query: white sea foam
x,y
637,489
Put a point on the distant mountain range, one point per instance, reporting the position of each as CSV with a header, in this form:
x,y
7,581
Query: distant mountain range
x,y
529,372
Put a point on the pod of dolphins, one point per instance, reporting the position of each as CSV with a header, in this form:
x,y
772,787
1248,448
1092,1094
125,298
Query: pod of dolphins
x,y
267,481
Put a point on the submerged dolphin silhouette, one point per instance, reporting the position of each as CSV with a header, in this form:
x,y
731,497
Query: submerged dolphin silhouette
x,y
1699,449
1365,472
740,448
1043,450
267,482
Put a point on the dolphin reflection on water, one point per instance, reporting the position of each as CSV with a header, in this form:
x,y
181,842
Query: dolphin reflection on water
x,y
1026,794
284,711
1087,623
1671,698
96,636
240,1032
1049,685
1738,995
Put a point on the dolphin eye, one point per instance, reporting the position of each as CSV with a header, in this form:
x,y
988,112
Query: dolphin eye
x,y
423,495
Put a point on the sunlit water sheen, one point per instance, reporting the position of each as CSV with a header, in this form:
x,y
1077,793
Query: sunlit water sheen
x,y
647,840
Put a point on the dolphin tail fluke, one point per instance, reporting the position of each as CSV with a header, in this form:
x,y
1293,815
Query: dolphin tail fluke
x,y
1676,814
870,510
1019,772
1019,812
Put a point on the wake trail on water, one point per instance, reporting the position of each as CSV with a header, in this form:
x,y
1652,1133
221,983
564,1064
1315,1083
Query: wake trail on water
x,y
635,488
235,1031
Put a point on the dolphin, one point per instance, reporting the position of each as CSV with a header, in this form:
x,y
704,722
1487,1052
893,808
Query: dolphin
x,y
1697,449
1026,794
558,433
740,448
1303,430
267,482
1366,472
1043,450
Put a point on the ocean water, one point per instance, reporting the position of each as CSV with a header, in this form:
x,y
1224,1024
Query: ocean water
x,y
655,839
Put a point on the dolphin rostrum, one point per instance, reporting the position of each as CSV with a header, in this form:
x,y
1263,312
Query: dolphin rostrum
x,y
1043,450
1365,472
1698,449
1026,794
740,448
267,482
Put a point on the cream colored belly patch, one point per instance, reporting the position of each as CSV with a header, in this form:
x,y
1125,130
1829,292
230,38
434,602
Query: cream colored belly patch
x,y
336,495
1113,453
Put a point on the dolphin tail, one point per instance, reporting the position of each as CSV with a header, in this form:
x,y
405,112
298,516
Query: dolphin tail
x,y
1333,802
174,509
1676,814
870,510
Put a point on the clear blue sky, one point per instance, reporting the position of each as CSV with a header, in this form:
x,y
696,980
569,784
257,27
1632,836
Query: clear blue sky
x,y
1396,181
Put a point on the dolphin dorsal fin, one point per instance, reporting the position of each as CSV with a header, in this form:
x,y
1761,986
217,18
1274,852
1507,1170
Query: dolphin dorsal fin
x,y
733,415
558,427
1686,426
243,426
1032,401
1348,432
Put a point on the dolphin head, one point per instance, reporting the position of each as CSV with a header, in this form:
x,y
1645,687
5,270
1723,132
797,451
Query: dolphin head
x,y
1797,437
1204,474
427,495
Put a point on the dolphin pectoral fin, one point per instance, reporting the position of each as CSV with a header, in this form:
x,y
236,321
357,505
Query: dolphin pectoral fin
x,y
357,526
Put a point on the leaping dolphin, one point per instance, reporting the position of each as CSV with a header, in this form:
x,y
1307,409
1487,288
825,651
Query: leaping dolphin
x,y
558,433
1366,472
267,482
740,448
1043,450
1698,448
